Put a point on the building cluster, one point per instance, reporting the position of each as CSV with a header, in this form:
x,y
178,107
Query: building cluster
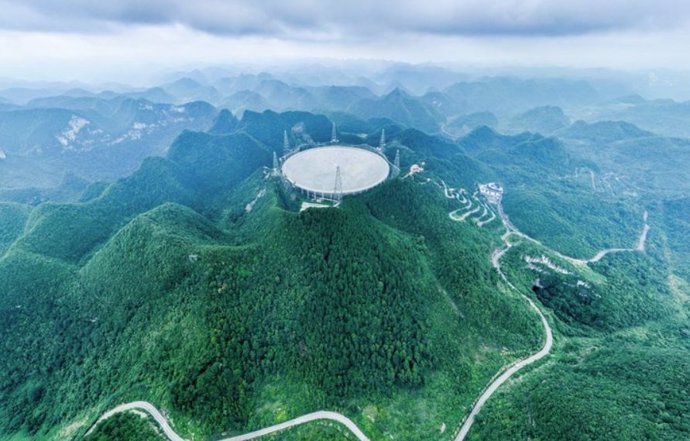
x,y
492,191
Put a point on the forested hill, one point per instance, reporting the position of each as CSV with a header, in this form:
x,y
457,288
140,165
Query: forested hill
x,y
165,287
198,285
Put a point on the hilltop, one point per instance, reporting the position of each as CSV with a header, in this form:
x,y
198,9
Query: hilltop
x,y
163,286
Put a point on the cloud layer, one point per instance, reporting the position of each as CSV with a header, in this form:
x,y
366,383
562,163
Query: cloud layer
x,y
353,19
130,39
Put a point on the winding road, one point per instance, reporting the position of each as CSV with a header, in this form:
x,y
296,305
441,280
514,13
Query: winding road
x,y
640,244
517,366
173,436
548,343
492,387
640,247
146,407
320,415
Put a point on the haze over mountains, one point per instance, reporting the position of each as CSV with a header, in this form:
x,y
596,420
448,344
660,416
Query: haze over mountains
x,y
148,251
104,134
189,249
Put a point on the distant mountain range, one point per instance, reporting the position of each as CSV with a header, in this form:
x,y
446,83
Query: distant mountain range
x,y
94,138
148,252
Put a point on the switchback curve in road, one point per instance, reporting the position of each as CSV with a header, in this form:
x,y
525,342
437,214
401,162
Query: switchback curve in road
x,y
515,367
494,385
146,407
544,351
162,421
320,415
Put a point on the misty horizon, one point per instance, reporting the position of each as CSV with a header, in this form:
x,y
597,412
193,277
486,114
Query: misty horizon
x,y
456,220
126,41
380,76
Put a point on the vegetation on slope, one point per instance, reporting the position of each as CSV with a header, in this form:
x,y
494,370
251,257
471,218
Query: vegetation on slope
x,y
620,391
220,314
13,219
621,367
167,287
126,426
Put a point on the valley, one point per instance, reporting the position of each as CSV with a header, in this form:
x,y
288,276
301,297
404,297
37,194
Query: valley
x,y
508,284
499,379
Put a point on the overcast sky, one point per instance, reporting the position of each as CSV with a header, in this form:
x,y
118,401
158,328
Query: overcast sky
x,y
131,39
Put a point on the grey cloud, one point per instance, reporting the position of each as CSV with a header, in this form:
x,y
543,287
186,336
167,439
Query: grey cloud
x,y
354,19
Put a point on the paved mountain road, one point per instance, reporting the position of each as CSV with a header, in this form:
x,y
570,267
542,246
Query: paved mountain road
x,y
544,351
515,367
320,415
173,436
493,386
146,407
464,429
